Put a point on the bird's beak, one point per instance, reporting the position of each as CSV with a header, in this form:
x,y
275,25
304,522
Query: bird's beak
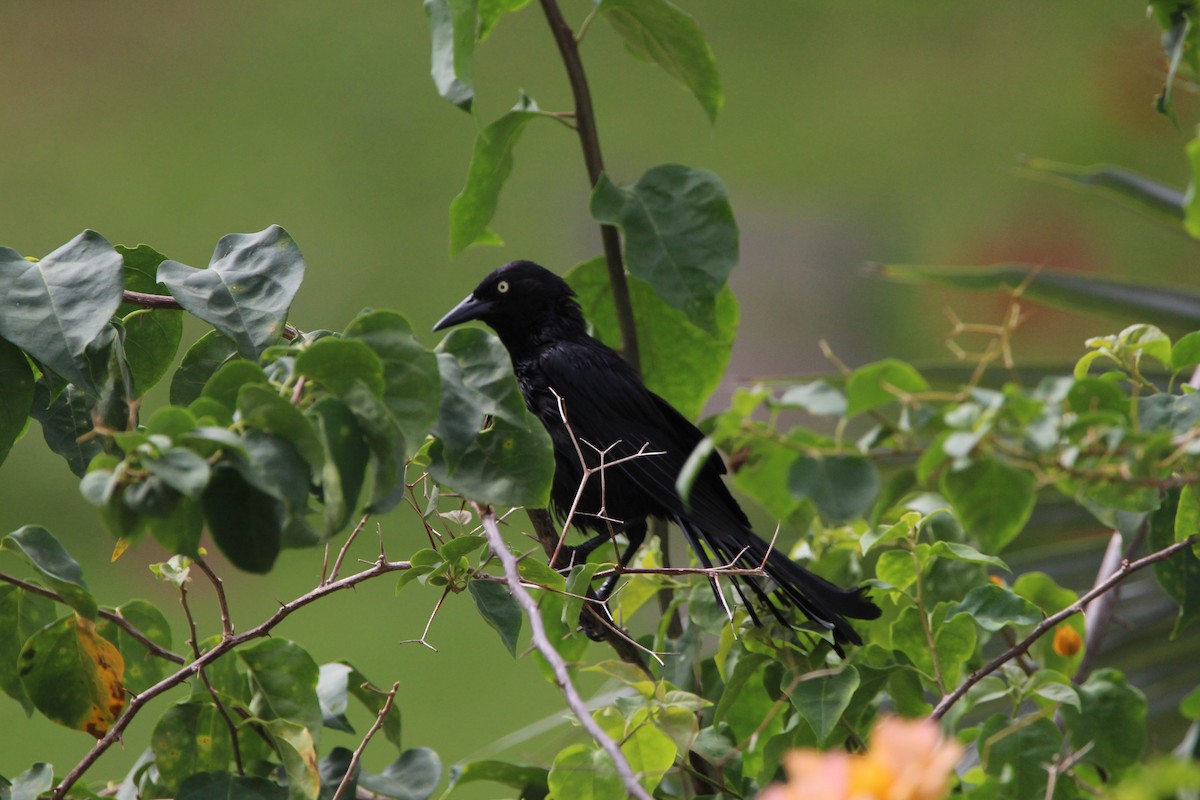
x,y
469,309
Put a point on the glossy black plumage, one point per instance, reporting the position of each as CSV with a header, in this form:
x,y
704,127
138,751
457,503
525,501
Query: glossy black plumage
x,y
564,372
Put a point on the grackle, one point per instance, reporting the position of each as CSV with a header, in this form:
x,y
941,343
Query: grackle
x,y
597,411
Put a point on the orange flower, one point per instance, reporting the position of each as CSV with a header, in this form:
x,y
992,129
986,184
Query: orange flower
x,y
906,760
1067,641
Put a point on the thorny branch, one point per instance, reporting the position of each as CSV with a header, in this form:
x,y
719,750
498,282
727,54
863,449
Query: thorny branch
x,y
358,751
1126,569
381,567
557,665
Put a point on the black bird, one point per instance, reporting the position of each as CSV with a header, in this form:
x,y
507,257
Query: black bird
x,y
592,402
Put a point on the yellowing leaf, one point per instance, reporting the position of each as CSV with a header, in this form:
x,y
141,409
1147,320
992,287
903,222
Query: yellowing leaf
x,y
74,676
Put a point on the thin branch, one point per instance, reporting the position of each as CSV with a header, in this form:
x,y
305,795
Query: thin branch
x,y
381,567
219,588
337,564
111,616
166,302
557,665
1046,625
358,751
194,641
589,140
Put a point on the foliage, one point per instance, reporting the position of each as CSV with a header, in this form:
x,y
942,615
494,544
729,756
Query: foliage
x,y
276,438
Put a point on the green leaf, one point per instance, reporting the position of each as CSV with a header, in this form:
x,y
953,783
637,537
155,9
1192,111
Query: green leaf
x,y
412,776
896,568
490,12
142,670
283,678
337,682
681,362
226,383
649,751
1130,188
1164,306
1179,576
73,675
190,738
993,501
298,751
530,781
822,701
992,607
491,163
411,381
31,784
22,614
44,553
452,36
879,383
843,487
957,551
246,290
583,772
1016,752
346,463
338,364
16,401
748,667
1041,590
462,546
66,420
1112,718
477,382
663,33
151,341
180,468
1185,353
680,235
54,308
499,610
227,786
261,407
210,352
817,398
245,523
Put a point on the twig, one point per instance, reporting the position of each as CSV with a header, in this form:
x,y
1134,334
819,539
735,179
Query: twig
x,y
358,751
219,587
429,624
589,140
194,641
1127,568
337,563
1101,613
557,665
111,616
166,302
381,567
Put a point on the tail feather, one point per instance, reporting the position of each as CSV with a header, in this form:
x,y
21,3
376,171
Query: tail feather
x,y
823,602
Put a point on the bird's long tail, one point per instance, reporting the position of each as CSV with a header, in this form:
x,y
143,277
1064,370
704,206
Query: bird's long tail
x,y
824,603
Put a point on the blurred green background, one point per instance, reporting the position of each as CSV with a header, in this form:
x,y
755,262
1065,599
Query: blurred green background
x,y
852,132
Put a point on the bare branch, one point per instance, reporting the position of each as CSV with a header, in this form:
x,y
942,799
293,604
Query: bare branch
x,y
557,665
219,587
358,751
1127,568
337,563
381,567
111,616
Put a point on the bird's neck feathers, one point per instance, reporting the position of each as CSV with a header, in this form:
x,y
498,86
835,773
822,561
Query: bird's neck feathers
x,y
559,321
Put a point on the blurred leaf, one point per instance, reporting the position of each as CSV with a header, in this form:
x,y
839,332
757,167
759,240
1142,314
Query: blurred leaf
x,y
1179,40
73,675
346,462
1164,306
45,554
190,738
452,36
879,383
283,678
584,772
1016,752
1179,576
661,32
491,164
822,701
817,397
843,487
682,363
227,382
31,784
1132,189
181,469
338,363
245,523
896,568
413,776
338,681
680,235
1185,353
16,401
22,614
490,12
957,551
54,308
530,781
1112,718
411,381
579,580
992,607
142,670
247,288
992,500
226,786
1041,590
261,407
210,352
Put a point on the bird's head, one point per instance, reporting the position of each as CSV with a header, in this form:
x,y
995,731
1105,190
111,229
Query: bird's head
x,y
516,296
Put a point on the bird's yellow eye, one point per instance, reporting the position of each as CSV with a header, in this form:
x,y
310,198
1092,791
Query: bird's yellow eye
x,y
502,287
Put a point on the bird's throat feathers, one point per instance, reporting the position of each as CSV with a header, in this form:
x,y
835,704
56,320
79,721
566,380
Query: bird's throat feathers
x,y
525,334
